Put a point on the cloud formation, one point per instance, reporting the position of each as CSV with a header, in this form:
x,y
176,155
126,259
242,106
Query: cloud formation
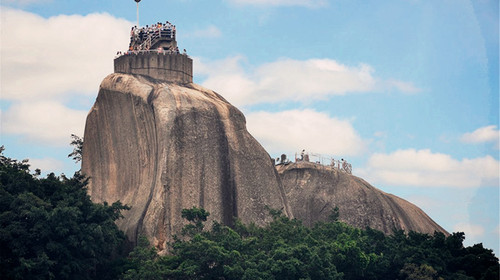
x,y
427,169
62,55
47,121
49,62
291,80
301,3
291,131
487,134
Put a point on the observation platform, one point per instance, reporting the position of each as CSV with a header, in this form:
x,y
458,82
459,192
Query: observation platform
x,y
153,52
316,160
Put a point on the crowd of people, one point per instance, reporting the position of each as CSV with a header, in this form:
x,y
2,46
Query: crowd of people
x,y
341,164
159,50
142,39
140,36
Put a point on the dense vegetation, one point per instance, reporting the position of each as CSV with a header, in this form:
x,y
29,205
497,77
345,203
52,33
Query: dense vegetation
x,y
49,229
285,249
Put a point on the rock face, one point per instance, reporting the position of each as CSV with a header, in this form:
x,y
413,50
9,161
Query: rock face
x,y
161,147
313,191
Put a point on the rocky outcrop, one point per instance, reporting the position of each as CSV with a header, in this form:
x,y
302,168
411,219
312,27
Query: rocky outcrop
x,y
314,190
161,147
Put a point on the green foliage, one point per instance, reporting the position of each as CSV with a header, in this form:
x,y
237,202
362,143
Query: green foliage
x,y
334,215
285,249
50,229
77,143
411,271
144,262
196,216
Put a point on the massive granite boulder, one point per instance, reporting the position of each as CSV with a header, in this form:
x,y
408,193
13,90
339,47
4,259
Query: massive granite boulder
x,y
314,190
161,147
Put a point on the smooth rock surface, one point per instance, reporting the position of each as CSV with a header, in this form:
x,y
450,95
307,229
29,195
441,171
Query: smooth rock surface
x,y
314,190
161,147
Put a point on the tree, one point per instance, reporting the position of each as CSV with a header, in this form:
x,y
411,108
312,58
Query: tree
x,y
49,227
286,249
196,216
144,262
77,143
423,272
334,215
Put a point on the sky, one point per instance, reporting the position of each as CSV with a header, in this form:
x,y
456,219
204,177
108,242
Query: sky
x,y
407,91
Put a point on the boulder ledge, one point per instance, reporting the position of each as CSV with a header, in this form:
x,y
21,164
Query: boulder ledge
x,y
314,190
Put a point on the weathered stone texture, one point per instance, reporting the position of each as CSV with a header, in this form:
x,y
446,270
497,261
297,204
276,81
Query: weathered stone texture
x,y
313,191
176,68
161,147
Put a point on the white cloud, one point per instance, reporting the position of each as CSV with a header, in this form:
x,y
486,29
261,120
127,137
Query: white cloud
x,y
425,168
48,61
46,164
471,231
291,80
482,135
62,55
302,3
211,31
292,131
46,121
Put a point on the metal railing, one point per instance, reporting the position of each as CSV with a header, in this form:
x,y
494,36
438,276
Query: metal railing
x,y
139,52
325,161
152,37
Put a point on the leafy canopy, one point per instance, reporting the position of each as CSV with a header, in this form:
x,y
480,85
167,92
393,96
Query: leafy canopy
x,y
49,227
285,249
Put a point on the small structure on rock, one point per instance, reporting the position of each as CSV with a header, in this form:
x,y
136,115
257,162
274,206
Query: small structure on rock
x,y
153,52
323,160
314,190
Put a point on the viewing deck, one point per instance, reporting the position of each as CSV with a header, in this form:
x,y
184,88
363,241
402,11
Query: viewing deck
x,y
153,52
157,36
316,159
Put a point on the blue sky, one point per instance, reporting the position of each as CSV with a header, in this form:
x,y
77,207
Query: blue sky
x,y
405,90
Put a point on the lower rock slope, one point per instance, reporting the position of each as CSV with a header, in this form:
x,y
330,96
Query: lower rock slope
x,y
314,190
